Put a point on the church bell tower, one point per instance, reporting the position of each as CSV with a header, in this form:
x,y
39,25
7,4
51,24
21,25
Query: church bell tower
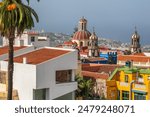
x,y
93,49
135,43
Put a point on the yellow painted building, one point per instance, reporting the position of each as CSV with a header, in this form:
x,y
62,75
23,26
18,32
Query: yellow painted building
x,y
128,83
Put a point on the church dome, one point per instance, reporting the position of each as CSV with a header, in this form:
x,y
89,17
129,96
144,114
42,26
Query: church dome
x,y
81,35
93,36
135,36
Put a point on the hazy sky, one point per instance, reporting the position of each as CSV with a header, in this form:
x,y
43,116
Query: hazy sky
x,y
113,19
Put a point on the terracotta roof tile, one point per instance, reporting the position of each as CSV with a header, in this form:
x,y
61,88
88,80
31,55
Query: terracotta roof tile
x,y
134,58
68,42
95,75
96,59
33,33
139,54
40,55
107,68
4,50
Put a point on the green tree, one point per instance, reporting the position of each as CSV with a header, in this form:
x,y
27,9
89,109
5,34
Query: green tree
x,y
15,16
85,88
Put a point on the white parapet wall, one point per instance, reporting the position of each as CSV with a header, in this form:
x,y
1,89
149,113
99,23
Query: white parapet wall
x,y
18,52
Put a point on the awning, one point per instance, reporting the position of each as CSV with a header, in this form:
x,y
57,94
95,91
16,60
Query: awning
x,y
137,91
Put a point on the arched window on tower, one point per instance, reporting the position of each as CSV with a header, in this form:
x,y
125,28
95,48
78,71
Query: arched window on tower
x,y
82,26
88,43
81,43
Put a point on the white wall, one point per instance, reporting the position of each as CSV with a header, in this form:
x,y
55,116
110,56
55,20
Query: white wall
x,y
62,89
26,39
24,79
38,43
23,37
28,77
46,74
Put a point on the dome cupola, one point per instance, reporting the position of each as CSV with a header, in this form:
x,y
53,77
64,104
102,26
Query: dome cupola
x,y
135,35
93,36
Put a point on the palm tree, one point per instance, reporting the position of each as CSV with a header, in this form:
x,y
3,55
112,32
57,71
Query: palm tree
x,y
14,17
85,88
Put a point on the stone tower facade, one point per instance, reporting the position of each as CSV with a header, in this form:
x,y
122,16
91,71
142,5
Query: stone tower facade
x,y
81,37
135,43
93,46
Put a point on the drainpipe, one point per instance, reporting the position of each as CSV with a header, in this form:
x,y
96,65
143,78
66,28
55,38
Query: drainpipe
x,y
130,96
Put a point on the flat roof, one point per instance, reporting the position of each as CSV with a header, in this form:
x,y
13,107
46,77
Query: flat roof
x,y
4,50
41,55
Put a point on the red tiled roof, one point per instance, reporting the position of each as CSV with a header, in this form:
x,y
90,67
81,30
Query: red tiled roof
x,y
69,43
104,48
139,54
95,75
40,55
33,33
4,50
96,59
99,67
134,58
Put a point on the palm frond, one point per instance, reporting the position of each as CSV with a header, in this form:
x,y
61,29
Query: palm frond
x,y
21,18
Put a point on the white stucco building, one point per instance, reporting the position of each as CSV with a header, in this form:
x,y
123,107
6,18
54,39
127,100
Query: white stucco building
x,y
46,73
18,50
29,38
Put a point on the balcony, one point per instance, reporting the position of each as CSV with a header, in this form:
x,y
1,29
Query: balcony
x,y
124,84
140,86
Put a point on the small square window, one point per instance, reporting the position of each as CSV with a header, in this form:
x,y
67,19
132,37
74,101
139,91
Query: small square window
x,y
32,39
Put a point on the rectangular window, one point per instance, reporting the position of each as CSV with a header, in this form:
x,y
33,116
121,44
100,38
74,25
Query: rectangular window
x,y
126,78
63,76
32,39
139,96
39,94
125,95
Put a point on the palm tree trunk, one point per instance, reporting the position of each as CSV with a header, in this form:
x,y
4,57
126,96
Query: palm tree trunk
x,y
10,65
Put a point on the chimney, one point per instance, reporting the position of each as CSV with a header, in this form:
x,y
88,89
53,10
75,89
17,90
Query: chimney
x,y
24,60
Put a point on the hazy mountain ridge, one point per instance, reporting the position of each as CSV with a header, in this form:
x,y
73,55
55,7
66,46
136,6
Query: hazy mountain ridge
x,y
60,38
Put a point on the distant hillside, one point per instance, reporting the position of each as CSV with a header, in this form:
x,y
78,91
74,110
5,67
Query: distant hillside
x,y
56,38
112,43
60,38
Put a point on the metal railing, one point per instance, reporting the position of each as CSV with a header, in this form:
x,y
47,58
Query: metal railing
x,y
124,84
140,86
